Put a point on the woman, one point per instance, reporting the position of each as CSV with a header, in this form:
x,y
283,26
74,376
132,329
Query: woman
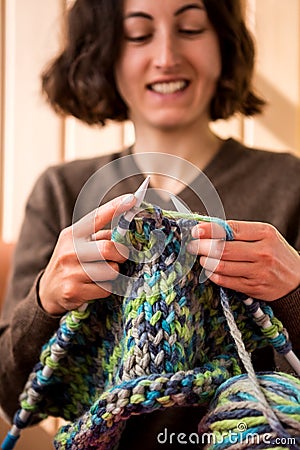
x,y
171,67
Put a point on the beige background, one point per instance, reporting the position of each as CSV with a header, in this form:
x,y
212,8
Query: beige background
x,y
32,137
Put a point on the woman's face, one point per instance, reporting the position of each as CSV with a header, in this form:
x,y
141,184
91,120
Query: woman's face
x,y
169,62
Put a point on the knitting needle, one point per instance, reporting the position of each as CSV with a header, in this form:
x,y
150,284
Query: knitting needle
x,y
290,356
179,205
129,215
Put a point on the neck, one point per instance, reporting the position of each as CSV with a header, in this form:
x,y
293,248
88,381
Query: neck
x,y
196,146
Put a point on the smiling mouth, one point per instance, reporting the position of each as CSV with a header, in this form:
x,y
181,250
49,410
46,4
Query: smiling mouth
x,y
170,87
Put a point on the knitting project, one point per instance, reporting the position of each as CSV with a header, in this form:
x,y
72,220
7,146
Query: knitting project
x,y
165,342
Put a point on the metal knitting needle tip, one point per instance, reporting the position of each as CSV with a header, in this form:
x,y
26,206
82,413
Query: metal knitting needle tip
x,y
129,215
141,192
179,205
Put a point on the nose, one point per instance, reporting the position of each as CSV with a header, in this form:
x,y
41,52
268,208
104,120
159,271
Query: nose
x,y
166,54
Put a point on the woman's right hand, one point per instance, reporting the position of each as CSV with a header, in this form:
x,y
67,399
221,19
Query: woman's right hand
x,y
84,257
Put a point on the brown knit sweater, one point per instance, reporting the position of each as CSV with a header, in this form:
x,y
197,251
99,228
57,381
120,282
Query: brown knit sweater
x,y
252,184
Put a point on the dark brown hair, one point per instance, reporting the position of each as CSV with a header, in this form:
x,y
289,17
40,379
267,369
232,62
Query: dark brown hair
x,y
234,92
81,82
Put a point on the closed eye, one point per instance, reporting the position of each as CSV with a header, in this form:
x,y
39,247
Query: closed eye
x,y
138,39
191,31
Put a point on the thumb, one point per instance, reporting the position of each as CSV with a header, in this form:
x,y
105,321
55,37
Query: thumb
x,y
105,213
97,219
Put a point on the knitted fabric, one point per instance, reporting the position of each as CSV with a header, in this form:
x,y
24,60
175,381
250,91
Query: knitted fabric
x,y
164,343
253,411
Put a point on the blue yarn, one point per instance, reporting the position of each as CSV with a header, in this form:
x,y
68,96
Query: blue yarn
x,y
208,342
9,442
19,422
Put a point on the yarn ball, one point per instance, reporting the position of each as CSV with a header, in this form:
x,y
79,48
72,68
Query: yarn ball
x,y
236,418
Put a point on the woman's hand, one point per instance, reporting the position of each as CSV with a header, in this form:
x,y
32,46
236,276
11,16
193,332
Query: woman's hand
x,y
259,262
84,258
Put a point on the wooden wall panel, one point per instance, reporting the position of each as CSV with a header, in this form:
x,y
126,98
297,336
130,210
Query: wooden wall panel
x,y
83,141
31,132
276,26
32,137
2,31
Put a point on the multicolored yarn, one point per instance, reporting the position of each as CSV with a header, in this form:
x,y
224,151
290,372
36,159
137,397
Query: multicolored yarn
x,y
237,418
253,410
165,342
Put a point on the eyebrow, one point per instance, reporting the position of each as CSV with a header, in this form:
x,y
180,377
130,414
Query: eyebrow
x,y
187,7
138,14
177,13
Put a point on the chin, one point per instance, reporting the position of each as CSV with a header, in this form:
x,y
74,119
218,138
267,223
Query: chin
x,y
169,123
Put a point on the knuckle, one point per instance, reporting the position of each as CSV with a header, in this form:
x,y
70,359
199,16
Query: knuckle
x,y
225,251
235,226
217,279
212,249
219,247
105,289
122,252
268,231
65,261
66,233
105,248
255,288
266,257
221,266
202,261
257,292
222,281
114,270
252,284
68,291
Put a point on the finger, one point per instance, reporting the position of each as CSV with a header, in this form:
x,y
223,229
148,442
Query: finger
x,y
97,219
101,251
101,271
207,247
101,235
242,230
208,230
227,268
235,283
92,291
88,291
225,250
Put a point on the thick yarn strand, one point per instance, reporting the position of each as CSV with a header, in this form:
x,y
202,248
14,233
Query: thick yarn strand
x,y
246,360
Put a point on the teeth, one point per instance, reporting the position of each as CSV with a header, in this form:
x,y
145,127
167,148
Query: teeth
x,y
168,88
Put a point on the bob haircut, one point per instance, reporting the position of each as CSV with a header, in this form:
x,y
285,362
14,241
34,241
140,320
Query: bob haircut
x,y
80,80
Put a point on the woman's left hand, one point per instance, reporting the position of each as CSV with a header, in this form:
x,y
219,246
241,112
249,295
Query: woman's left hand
x,y
259,262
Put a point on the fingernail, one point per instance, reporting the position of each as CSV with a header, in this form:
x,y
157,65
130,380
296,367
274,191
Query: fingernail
x,y
190,248
128,199
197,232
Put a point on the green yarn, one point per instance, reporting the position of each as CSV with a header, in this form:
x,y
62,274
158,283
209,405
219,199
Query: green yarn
x,y
165,342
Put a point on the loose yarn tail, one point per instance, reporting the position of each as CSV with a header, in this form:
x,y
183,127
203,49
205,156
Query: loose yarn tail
x,y
248,407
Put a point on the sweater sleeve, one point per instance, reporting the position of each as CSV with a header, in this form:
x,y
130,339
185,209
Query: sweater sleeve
x,y
21,337
287,309
24,326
